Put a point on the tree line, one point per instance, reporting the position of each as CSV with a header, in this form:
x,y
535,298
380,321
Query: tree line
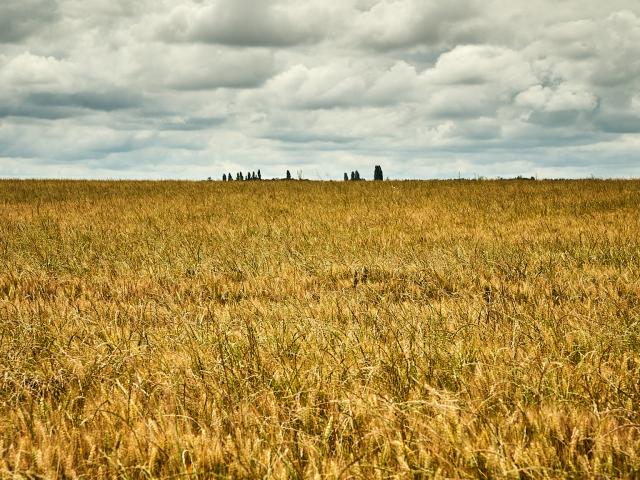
x,y
240,176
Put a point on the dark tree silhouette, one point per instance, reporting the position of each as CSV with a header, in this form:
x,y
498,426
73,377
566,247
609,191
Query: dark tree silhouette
x,y
259,175
240,176
353,176
248,176
346,177
357,175
224,177
253,176
229,178
288,175
377,173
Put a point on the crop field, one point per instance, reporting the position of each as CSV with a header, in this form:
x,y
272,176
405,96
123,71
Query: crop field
x,y
294,329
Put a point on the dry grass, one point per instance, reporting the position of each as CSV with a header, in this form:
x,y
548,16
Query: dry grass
x,y
320,330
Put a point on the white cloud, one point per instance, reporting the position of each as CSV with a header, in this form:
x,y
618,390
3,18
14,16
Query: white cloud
x,y
472,64
27,70
390,24
562,98
340,84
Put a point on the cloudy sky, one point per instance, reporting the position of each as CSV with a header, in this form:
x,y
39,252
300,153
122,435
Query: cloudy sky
x,y
425,88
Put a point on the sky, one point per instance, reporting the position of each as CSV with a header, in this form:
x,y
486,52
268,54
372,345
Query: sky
x,y
187,89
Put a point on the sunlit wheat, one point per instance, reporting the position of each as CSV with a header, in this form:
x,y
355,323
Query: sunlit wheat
x,y
311,330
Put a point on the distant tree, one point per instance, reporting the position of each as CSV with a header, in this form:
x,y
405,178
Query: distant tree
x,y
253,176
248,176
209,179
288,175
240,176
346,177
224,177
259,175
353,176
357,174
229,178
377,174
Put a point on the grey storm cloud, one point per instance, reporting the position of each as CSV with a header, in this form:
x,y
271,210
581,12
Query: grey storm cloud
x,y
21,18
222,69
191,88
241,23
104,101
619,123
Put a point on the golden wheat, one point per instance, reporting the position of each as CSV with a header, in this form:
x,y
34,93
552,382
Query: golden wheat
x,y
320,330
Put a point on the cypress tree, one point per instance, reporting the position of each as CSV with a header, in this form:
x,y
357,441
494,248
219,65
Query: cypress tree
x,y
346,177
288,175
259,176
241,177
224,177
377,174
253,176
357,175
229,178
353,176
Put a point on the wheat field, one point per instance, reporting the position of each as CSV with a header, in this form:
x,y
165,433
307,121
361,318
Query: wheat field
x,y
441,329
